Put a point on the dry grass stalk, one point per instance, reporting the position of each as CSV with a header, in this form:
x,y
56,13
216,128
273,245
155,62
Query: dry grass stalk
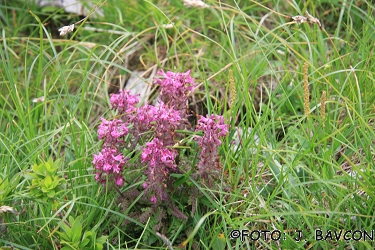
x,y
165,240
299,19
312,20
308,18
4,209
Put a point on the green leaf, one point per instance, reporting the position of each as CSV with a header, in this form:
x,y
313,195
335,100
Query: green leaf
x,y
76,230
89,235
66,248
305,144
196,228
48,181
67,230
275,168
35,182
55,182
219,242
182,178
64,236
98,246
30,176
84,243
39,171
100,242
51,194
50,9
49,166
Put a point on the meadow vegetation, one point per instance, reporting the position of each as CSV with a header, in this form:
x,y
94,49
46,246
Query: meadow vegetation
x,y
292,80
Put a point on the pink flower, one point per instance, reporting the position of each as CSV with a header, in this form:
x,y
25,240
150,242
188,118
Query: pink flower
x,y
161,160
213,128
153,199
175,84
143,119
158,125
158,155
166,122
112,131
123,102
109,163
119,180
174,89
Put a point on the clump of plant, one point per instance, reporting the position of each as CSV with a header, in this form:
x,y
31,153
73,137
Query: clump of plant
x,y
46,182
154,131
72,236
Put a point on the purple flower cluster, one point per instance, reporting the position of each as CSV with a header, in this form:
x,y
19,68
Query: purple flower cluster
x,y
167,117
156,124
110,162
166,122
112,132
123,102
143,120
160,161
213,128
174,89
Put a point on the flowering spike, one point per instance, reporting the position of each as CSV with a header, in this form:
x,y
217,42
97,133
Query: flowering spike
x,y
124,102
160,161
174,89
158,126
112,131
213,128
109,163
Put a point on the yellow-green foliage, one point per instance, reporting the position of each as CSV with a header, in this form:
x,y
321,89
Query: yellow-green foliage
x,y
45,180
